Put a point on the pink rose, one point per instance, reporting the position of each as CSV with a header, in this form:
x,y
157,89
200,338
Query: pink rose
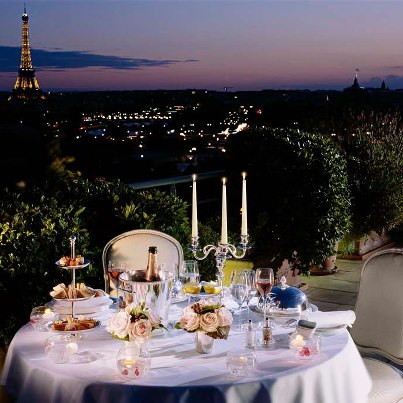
x,y
224,317
209,322
140,329
118,324
189,320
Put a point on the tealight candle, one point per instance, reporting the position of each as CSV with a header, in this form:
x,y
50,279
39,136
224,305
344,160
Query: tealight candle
x,y
48,314
133,362
298,341
241,362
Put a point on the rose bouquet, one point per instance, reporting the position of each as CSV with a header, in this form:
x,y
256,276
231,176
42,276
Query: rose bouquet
x,y
206,316
134,323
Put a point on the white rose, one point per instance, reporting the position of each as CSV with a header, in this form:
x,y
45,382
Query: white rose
x,y
118,324
224,317
189,320
209,322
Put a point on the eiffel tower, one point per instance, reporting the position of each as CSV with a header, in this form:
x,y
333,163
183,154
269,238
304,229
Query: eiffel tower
x,y
26,87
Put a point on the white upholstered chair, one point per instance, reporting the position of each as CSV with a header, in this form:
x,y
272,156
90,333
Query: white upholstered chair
x,y
378,328
132,248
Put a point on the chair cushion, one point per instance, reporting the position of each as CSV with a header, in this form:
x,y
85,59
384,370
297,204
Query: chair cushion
x,y
387,383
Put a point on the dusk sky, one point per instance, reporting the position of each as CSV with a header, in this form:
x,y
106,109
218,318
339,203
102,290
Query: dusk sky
x,y
206,44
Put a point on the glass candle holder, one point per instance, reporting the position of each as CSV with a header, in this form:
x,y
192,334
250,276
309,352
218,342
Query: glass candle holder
x,y
42,315
61,348
304,348
241,362
133,360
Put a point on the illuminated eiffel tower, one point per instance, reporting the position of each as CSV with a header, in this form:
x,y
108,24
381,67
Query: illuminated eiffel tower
x,y
26,86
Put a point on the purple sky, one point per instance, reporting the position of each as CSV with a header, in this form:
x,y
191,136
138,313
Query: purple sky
x,y
209,44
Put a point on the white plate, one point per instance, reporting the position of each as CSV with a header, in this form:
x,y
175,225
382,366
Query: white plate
x,y
49,327
93,301
330,330
84,311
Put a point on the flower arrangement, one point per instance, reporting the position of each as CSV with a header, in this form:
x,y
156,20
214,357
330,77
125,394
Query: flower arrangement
x,y
134,323
206,316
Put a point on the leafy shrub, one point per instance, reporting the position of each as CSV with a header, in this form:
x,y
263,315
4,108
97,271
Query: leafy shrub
x,y
36,223
298,197
373,146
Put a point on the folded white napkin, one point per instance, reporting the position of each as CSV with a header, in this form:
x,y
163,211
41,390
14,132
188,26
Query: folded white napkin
x,y
330,319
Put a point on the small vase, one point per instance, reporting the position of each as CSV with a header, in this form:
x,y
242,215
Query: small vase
x,y
204,343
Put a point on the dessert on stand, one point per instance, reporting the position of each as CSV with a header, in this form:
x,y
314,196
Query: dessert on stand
x,y
73,293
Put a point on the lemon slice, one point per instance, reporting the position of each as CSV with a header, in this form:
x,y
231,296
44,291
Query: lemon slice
x,y
212,288
191,288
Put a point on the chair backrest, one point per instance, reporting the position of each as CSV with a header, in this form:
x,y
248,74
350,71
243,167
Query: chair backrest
x,y
378,328
132,248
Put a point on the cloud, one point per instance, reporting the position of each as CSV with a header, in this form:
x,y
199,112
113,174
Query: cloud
x,y
62,60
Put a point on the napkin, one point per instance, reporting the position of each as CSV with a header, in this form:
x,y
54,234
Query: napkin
x,y
331,319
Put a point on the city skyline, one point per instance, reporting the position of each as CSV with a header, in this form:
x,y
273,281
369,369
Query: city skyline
x,y
214,45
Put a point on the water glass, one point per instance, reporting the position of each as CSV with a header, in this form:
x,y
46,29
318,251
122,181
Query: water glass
x,y
61,348
190,277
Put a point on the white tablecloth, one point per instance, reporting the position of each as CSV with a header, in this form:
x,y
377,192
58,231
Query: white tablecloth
x,y
179,374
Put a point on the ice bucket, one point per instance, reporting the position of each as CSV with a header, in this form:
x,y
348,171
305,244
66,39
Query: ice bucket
x,y
156,294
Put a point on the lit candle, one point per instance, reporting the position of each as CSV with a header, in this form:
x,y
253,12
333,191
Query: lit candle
x,y
244,225
194,209
297,342
48,314
224,234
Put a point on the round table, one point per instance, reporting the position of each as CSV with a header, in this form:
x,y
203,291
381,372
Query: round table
x,y
180,374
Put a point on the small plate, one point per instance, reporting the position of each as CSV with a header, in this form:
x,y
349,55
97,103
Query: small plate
x,y
49,327
81,266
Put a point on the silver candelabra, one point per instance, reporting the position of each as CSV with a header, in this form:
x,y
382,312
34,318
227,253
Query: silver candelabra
x,y
221,252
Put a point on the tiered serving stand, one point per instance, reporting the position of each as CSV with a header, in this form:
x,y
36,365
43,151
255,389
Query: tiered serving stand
x,y
73,281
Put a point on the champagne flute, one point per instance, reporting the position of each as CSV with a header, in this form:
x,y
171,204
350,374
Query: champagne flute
x,y
239,288
251,275
264,284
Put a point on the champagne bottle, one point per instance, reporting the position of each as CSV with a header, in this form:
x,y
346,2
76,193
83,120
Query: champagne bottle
x,y
152,271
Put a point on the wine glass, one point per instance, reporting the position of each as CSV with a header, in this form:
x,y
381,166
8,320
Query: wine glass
x,y
264,284
115,268
239,288
251,275
189,277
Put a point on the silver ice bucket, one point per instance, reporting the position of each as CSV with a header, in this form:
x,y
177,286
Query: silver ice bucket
x,y
134,288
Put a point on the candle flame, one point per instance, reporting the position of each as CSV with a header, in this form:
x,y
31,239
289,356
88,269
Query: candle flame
x,y
224,180
194,177
243,175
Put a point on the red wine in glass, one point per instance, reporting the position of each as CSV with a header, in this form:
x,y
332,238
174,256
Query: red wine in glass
x,y
264,284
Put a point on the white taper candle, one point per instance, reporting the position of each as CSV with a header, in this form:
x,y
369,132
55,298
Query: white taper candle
x,y
194,209
244,224
224,234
